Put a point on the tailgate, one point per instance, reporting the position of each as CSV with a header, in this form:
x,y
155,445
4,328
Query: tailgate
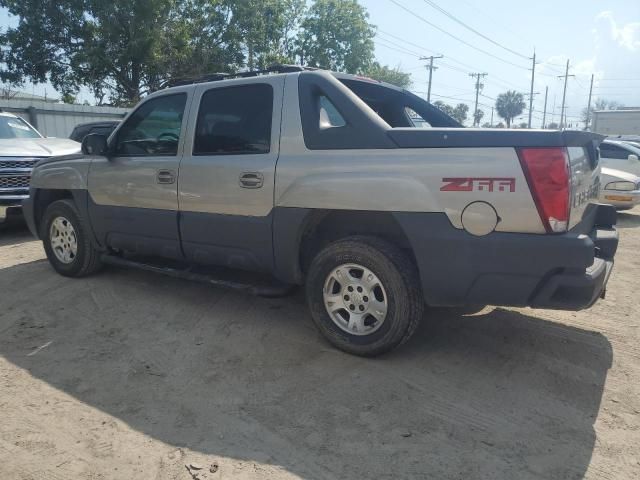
x,y
582,148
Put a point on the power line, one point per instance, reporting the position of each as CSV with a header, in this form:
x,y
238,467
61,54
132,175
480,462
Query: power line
x,y
397,47
615,88
392,45
445,96
501,26
423,48
619,80
455,37
469,68
379,30
457,20
453,67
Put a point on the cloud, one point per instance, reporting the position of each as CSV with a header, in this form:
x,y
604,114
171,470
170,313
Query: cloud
x,y
554,65
627,35
587,67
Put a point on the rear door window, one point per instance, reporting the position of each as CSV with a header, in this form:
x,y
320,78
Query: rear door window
x,y
234,121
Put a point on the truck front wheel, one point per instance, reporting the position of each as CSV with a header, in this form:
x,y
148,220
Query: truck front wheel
x,y
66,241
364,295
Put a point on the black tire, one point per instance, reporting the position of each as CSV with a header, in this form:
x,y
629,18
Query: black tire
x,y
87,259
398,275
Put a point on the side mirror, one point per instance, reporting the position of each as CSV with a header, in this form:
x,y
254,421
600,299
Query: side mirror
x,y
632,157
95,144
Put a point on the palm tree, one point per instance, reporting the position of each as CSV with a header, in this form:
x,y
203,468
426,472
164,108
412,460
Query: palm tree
x,y
509,105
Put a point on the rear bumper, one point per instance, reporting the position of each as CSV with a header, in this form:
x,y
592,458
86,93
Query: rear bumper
x,y
574,290
568,271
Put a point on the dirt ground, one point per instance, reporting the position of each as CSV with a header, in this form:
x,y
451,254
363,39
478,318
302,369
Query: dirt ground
x,y
129,375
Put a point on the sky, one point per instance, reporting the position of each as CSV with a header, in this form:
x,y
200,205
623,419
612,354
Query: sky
x,y
597,37
498,38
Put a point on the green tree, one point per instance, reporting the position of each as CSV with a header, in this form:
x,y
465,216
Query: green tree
x,y
509,105
267,29
387,74
604,104
460,112
68,98
446,108
126,48
337,35
552,126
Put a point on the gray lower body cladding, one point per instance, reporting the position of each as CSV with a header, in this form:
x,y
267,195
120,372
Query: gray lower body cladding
x,y
565,271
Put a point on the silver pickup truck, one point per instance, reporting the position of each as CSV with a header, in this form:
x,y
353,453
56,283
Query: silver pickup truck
x,y
325,180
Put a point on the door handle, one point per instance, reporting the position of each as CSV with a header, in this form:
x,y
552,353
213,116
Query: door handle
x,y
166,176
251,180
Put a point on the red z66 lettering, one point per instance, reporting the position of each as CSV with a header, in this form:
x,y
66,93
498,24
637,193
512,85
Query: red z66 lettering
x,y
479,184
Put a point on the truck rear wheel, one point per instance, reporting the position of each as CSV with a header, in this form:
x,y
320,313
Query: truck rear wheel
x,y
364,295
66,241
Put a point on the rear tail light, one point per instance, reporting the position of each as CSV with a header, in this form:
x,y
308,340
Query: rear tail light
x,y
547,173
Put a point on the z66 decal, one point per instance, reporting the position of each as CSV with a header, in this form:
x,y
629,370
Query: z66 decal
x,y
478,184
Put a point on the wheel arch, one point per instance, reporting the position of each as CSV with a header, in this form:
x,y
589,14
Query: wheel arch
x,y
300,233
43,197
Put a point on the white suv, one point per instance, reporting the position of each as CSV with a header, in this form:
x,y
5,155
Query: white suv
x,y
21,147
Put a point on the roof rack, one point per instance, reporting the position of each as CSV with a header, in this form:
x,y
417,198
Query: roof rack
x,y
215,77
210,77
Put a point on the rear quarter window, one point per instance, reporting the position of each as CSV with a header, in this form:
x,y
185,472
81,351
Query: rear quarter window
x,y
416,120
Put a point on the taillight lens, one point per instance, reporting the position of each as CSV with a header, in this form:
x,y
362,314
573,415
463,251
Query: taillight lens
x,y
547,173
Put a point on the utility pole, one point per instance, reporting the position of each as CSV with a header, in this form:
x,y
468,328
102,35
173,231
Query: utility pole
x,y
431,68
586,123
531,96
477,76
564,94
533,76
491,123
544,114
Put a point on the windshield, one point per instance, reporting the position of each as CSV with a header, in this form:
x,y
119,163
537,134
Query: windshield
x,y
15,127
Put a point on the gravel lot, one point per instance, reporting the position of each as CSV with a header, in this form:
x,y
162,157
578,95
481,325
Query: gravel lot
x,y
128,375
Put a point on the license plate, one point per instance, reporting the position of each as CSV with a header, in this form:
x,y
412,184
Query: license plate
x,y
618,198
